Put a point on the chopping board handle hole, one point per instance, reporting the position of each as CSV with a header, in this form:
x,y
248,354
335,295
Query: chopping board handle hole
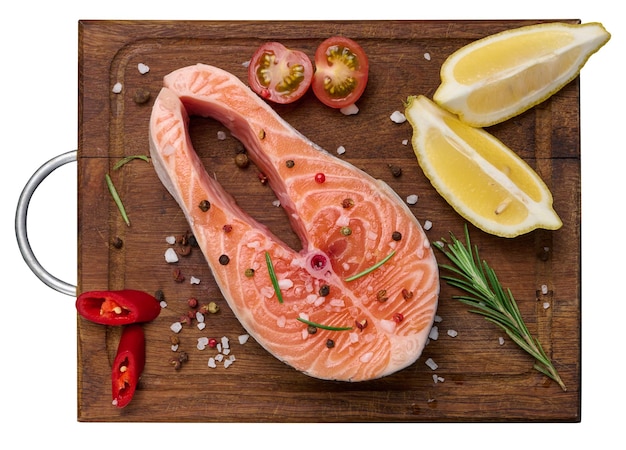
x,y
21,232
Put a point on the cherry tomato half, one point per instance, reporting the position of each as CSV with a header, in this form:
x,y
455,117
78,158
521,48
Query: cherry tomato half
x,y
341,71
279,74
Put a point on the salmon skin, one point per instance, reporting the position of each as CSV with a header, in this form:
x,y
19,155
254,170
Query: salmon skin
x,y
348,222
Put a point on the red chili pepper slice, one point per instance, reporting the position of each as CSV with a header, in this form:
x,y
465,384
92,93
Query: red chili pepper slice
x,y
128,364
121,307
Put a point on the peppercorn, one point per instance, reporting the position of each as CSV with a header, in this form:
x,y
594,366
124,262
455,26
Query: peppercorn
x,y
178,276
346,231
262,134
249,273
361,324
192,302
320,177
174,340
159,295
224,259
398,317
204,205
117,243
176,363
290,163
324,290
396,236
347,203
183,357
330,343
227,228
141,96
213,308
242,161
395,170
406,294
381,296
312,329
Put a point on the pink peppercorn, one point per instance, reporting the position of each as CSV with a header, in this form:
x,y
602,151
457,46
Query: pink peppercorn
x,y
212,342
320,177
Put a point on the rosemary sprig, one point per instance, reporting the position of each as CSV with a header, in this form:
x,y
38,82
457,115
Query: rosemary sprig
x,y
270,269
127,159
117,199
373,268
323,327
491,300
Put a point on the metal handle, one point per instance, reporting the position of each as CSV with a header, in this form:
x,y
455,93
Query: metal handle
x,y
20,223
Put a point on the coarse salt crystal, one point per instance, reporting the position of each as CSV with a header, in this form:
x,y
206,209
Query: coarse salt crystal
x,y
174,347
176,327
117,88
170,240
428,225
199,316
202,343
412,199
201,326
219,357
432,364
427,56
281,321
163,304
285,283
388,326
546,305
366,357
143,69
405,142
221,135
501,340
227,363
434,333
341,150
453,333
212,363
245,63
225,342
171,256
349,110
438,318
276,203
544,289
194,280
397,117
243,338
226,351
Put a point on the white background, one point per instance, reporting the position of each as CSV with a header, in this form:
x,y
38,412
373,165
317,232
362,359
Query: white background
x,y
39,121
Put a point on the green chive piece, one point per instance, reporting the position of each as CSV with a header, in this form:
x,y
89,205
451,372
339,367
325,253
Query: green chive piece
x,y
373,268
270,269
323,327
127,159
117,199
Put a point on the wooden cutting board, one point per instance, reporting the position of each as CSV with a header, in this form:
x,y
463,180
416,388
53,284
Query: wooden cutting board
x,y
481,379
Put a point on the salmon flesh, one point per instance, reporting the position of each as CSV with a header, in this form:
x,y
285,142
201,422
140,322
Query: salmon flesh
x,y
308,308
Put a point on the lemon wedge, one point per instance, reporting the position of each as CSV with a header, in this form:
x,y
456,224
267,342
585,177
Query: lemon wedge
x,y
482,179
505,74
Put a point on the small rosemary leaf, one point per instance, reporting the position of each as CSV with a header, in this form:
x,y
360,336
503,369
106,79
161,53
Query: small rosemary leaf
x,y
127,159
116,198
373,268
323,327
270,269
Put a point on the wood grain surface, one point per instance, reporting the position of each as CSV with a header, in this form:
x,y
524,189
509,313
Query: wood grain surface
x,y
481,379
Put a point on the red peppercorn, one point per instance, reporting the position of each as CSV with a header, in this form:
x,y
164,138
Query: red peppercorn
x,y
320,177
212,342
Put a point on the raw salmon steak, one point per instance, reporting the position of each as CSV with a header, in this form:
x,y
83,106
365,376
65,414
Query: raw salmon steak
x,y
305,307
